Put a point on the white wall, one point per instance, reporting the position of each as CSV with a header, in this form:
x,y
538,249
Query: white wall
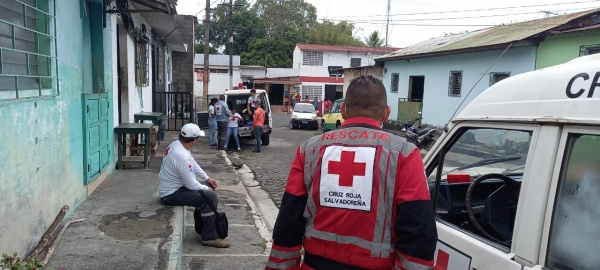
x,y
438,107
332,59
218,81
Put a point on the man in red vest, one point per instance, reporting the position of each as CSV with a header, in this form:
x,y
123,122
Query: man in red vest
x,y
356,197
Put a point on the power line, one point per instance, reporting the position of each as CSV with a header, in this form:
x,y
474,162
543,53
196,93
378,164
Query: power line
x,y
460,18
470,10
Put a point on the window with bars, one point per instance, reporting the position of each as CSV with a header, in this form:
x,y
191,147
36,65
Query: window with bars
x,y
142,57
395,82
455,83
589,49
161,65
312,91
28,64
355,62
312,58
498,76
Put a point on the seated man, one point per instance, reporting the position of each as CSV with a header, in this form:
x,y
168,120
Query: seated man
x,y
178,185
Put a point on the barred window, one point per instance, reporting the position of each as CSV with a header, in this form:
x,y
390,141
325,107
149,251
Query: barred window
x,y
28,65
355,62
395,82
455,83
312,58
589,49
498,76
141,64
312,91
161,65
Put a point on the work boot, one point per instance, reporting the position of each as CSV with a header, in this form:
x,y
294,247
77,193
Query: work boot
x,y
218,243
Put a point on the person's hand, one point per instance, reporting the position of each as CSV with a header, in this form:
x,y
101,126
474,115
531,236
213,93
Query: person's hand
x,y
212,183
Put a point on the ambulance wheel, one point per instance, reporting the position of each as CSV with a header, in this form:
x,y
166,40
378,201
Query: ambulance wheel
x,y
265,139
496,206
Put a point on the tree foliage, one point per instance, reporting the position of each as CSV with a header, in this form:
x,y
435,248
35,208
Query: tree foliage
x,y
374,40
266,32
330,33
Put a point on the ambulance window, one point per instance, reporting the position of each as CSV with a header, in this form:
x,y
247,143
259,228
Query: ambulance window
x,y
574,231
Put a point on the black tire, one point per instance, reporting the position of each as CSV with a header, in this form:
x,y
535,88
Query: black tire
x,y
265,139
323,130
338,124
292,125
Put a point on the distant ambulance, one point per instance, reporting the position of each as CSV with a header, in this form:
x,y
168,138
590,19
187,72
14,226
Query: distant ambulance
x,y
517,174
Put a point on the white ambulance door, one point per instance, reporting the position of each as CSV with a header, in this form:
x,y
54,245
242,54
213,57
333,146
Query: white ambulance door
x,y
503,148
571,234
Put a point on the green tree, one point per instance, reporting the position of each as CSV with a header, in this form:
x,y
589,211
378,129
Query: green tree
x,y
278,15
269,52
331,33
374,40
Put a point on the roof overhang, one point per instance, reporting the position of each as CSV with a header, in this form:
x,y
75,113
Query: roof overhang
x,y
160,15
523,43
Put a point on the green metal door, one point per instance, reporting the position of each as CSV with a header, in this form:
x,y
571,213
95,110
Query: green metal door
x,y
96,146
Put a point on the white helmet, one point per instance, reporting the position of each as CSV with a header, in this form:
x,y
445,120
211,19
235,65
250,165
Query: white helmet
x,y
191,130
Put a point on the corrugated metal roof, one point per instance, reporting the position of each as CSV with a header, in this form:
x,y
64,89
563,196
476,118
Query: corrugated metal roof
x,y
498,35
217,60
336,48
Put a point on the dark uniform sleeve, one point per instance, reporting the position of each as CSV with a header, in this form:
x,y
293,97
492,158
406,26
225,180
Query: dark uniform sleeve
x,y
415,222
290,225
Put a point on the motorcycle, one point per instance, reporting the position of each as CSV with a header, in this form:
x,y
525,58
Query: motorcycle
x,y
422,138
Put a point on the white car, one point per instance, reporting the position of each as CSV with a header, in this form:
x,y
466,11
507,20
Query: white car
x,y
304,115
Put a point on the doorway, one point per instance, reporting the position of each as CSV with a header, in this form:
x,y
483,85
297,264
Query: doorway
x,y
330,92
276,94
416,87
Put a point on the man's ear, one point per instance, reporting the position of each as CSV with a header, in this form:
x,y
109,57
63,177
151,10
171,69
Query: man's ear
x,y
386,114
343,110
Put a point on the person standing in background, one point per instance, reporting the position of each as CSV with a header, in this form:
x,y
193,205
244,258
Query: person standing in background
x,y
212,122
257,125
233,128
222,113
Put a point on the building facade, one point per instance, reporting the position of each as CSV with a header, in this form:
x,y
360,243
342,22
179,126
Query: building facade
x,y
218,74
567,45
62,66
320,67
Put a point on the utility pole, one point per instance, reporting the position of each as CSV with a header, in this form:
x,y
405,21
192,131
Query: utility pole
x,y
230,22
387,24
206,53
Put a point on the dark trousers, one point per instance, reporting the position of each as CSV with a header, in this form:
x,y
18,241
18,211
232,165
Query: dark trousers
x,y
221,133
257,134
186,197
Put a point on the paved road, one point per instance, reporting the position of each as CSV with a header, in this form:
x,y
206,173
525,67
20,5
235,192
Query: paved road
x,y
272,166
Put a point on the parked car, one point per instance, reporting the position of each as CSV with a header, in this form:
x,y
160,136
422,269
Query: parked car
x,y
238,98
333,119
304,115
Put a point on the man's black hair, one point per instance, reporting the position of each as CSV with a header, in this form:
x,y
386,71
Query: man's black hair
x,y
253,90
366,96
186,139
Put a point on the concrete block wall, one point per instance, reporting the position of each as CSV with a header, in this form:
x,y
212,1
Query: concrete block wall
x,y
183,62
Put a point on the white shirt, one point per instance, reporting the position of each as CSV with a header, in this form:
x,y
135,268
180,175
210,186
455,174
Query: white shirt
x,y
211,111
233,120
252,101
179,169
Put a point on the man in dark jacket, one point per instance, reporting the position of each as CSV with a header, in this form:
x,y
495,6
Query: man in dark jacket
x,y
356,197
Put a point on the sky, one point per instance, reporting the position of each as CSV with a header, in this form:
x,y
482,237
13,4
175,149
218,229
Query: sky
x,y
413,21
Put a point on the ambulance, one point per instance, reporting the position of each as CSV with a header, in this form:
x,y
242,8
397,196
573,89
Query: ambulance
x,y
515,177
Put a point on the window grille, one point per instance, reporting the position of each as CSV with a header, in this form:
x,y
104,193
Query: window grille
x,y
312,58
498,76
455,83
395,82
312,91
28,63
355,62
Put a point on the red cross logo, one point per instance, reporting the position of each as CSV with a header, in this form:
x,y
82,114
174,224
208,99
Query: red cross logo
x,y
346,168
442,260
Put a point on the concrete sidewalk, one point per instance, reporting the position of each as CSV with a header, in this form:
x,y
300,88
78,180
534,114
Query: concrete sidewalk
x,y
127,227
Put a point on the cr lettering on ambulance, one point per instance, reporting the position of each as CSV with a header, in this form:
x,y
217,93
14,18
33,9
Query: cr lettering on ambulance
x,y
584,76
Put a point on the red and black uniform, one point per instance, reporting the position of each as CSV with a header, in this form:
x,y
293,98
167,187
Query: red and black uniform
x,y
356,198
